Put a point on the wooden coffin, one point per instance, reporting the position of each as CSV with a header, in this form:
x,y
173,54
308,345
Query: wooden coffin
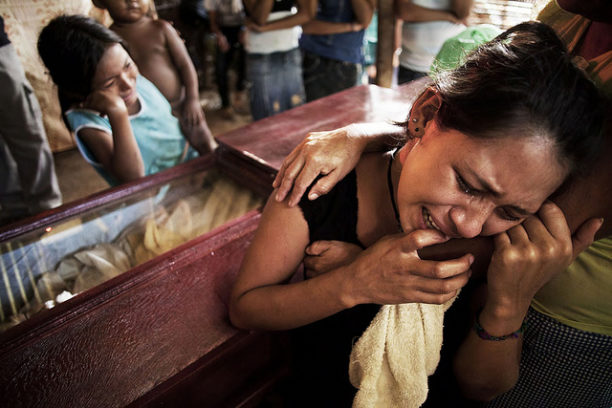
x,y
158,334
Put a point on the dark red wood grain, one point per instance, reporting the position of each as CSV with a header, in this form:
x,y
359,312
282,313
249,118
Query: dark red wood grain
x,y
269,140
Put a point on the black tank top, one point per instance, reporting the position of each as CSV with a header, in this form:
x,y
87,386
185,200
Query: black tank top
x,y
322,349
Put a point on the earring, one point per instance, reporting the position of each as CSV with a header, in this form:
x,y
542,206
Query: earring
x,y
417,130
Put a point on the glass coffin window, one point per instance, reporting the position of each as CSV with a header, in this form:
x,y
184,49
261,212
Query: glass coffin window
x,y
54,263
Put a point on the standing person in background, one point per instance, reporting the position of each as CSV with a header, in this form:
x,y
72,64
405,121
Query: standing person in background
x,y
426,25
226,23
332,46
274,62
161,57
28,183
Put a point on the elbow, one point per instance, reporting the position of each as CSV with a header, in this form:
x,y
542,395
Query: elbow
x,y
364,18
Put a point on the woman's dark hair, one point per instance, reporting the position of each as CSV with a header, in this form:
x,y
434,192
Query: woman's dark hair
x,y
71,48
523,82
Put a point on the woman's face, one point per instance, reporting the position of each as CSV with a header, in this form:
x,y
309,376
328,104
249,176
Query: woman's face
x,y
464,186
116,73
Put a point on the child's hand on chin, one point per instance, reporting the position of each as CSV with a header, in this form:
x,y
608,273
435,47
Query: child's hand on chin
x,y
105,102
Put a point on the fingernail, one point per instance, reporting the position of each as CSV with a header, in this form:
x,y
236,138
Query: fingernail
x,y
471,259
313,196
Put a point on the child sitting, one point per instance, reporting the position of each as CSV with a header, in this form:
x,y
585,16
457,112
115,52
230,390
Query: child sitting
x,y
161,57
123,125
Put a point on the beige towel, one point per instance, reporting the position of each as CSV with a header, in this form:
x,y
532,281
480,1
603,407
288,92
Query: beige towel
x,y
393,358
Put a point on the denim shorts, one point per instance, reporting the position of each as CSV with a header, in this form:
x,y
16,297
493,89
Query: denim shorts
x,y
275,82
324,76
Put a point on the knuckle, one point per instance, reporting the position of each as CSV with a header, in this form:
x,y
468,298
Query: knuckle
x,y
440,298
437,271
446,287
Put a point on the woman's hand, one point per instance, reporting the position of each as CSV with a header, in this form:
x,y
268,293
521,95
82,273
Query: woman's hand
x,y
192,113
323,256
526,257
391,272
330,154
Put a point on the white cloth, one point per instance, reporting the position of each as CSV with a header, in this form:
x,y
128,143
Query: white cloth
x,y
391,361
422,41
273,41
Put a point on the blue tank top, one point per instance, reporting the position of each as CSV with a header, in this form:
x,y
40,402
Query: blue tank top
x,y
157,132
346,47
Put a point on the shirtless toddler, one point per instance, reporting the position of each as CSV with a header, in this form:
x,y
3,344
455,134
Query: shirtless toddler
x,y
161,57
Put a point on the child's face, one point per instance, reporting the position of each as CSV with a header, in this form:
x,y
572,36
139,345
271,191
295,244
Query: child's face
x,y
116,74
126,11
465,186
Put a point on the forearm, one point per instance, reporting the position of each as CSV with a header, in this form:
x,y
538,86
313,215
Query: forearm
x,y
126,161
377,136
480,247
287,306
258,10
411,13
301,17
320,27
190,80
485,369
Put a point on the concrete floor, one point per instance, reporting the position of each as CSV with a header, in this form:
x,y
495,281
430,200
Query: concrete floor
x,y
78,179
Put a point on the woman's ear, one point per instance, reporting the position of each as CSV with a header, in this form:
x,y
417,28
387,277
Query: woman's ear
x,y
406,149
423,110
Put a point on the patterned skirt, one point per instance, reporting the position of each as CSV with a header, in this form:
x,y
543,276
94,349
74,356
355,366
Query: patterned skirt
x,y
561,367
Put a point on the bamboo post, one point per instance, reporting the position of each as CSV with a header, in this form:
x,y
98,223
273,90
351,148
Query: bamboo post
x,y
385,46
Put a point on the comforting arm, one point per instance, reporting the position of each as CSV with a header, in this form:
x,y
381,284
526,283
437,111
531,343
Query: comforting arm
x,y
332,155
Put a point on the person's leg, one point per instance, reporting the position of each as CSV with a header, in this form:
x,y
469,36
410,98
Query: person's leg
x,y
24,140
260,77
221,67
323,76
289,64
240,97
